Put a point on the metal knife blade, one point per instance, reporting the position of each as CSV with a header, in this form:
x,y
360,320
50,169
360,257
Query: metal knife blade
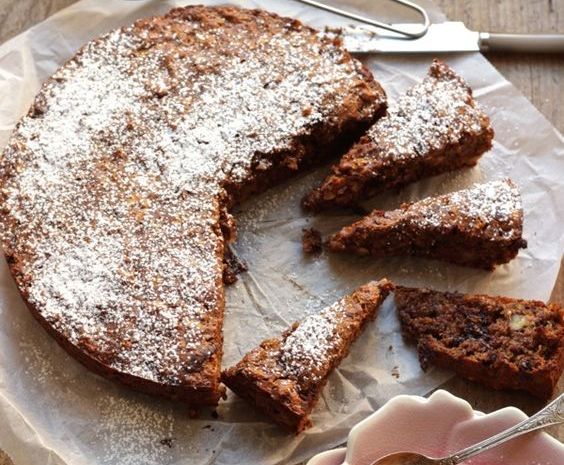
x,y
441,37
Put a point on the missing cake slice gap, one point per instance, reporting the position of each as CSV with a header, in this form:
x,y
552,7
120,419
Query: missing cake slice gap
x,y
479,227
284,376
500,342
435,127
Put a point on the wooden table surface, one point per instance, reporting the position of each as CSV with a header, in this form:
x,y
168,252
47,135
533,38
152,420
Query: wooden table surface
x,y
539,78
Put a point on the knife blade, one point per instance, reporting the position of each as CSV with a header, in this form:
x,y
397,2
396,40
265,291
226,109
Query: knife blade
x,y
444,37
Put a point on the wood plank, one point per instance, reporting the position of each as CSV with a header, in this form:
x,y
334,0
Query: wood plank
x,y
539,78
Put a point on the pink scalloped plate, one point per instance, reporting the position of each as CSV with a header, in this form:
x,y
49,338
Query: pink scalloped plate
x,y
437,426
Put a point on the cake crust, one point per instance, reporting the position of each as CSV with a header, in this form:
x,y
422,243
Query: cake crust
x,y
500,342
435,127
284,376
480,227
116,185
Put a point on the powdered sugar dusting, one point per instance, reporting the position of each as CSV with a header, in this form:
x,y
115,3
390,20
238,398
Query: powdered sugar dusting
x,y
429,116
494,207
307,349
113,185
77,279
141,428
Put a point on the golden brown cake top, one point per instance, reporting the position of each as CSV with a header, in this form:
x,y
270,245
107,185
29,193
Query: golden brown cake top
x,y
429,116
114,184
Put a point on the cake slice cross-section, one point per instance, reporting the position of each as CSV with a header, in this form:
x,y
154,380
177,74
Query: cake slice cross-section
x,y
500,342
435,127
480,227
284,376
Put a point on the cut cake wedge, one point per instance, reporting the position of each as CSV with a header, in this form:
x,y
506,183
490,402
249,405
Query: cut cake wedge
x,y
500,342
284,376
436,126
480,227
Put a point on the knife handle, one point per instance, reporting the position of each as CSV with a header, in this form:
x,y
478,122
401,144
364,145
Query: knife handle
x,y
524,43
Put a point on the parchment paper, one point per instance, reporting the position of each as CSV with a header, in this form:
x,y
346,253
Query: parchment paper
x,y
53,411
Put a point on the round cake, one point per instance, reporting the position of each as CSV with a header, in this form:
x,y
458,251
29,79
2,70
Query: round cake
x,y
117,183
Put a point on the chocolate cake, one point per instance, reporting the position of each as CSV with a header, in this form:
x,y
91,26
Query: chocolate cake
x,y
480,227
436,126
500,342
284,376
116,185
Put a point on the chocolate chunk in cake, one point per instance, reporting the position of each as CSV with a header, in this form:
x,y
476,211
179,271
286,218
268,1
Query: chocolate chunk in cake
x,y
436,126
115,186
480,227
311,241
500,342
284,376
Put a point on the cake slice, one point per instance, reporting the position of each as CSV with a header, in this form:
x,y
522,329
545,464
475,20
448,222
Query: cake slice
x,y
436,126
284,376
500,342
481,227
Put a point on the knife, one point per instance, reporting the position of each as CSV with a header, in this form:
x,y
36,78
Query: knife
x,y
443,37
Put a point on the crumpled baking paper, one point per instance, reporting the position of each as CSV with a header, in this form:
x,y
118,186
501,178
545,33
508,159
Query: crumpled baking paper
x,y
54,411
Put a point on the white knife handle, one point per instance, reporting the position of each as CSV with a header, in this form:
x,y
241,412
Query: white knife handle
x,y
524,43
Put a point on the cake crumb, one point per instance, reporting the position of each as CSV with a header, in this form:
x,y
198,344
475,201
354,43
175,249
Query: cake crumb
x,y
169,442
311,241
232,267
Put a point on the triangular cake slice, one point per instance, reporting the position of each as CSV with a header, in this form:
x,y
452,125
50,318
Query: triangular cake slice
x,y
481,227
284,376
436,126
500,342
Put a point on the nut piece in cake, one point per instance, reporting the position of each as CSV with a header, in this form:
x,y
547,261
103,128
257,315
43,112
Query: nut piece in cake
x,y
284,376
480,227
436,126
500,342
